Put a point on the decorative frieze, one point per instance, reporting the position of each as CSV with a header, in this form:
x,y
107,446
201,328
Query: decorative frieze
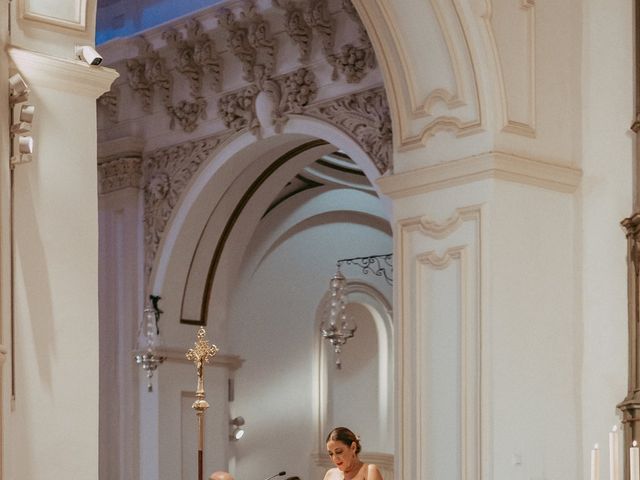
x,y
119,173
366,117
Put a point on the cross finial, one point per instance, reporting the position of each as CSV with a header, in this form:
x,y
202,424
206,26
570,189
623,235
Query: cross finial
x,y
200,354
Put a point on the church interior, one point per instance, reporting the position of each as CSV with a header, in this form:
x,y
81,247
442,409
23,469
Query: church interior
x,y
227,227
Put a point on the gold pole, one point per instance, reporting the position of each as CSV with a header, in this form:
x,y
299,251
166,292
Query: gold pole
x,y
200,354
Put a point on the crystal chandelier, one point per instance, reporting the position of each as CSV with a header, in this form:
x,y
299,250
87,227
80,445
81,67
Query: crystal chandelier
x,y
149,348
337,327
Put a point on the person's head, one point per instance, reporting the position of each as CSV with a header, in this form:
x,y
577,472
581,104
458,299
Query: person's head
x,y
343,447
220,476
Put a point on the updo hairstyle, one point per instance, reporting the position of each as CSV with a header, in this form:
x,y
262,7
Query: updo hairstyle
x,y
346,436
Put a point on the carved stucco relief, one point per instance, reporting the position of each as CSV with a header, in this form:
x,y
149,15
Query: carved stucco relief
x,y
190,58
167,172
118,173
108,102
366,117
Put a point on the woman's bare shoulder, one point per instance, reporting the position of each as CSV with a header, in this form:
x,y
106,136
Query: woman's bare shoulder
x,y
373,472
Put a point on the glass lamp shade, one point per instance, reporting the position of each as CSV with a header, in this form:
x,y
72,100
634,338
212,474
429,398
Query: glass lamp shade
x,y
150,346
336,326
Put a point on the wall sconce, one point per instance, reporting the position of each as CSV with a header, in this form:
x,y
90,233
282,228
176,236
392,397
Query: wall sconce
x,y
149,349
20,130
336,326
237,432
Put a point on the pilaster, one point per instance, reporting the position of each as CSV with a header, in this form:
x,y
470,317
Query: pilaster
x,y
121,303
55,299
484,319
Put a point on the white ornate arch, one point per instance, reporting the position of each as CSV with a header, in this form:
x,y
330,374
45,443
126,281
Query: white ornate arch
x,y
238,159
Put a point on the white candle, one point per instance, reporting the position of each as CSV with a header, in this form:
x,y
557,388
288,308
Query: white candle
x,y
595,463
634,462
614,454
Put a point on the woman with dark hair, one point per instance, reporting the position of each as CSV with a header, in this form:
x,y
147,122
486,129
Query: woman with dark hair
x,y
343,447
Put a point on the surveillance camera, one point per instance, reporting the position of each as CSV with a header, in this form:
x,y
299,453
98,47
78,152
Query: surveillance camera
x,y
88,54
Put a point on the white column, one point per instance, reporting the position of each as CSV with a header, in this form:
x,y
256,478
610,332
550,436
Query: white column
x,y
485,319
52,429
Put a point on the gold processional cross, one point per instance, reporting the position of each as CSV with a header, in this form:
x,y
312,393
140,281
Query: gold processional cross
x,y
200,354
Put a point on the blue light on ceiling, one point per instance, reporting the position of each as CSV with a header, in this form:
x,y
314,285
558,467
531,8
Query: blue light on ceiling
x,y
125,18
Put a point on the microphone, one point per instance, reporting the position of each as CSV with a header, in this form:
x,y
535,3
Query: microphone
x,y
279,474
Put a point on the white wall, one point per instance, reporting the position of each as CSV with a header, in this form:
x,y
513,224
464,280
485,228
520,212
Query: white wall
x,y
605,198
273,325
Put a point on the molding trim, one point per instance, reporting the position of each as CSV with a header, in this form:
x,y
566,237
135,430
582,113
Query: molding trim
x,y
413,262
62,74
497,165
120,147
400,78
524,126
177,355
76,22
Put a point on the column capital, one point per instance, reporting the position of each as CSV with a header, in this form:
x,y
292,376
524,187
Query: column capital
x,y
62,74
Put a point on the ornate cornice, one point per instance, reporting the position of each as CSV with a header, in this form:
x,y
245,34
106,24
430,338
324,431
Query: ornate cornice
x,y
504,166
61,74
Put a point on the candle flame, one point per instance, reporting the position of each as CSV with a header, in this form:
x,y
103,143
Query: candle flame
x,y
635,444
615,428
596,447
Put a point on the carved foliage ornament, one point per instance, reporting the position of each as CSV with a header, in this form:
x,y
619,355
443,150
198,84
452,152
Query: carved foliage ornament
x,y
108,101
249,38
366,117
167,174
118,173
297,27
290,93
237,109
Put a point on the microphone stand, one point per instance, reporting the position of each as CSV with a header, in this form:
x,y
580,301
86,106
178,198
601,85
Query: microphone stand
x,y
200,354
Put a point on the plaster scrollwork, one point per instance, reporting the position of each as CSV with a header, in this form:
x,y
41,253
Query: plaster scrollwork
x,y
354,62
238,42
109,102
139,83
167,172
297,27
205,54
319,19
187,113
184,59
148,72
366,117
290,94
261,39
237,109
